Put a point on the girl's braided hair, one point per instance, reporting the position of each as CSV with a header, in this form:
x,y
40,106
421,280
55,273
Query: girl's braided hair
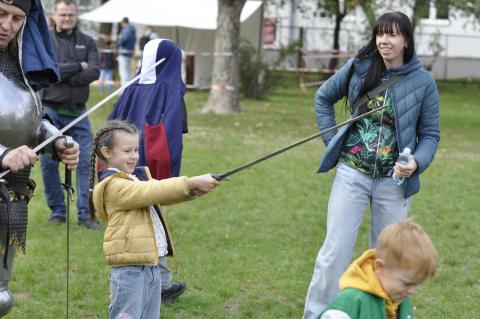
x,y
104,138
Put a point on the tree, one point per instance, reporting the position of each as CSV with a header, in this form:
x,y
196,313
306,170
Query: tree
x,y
340,8
223,96
420,8
466,6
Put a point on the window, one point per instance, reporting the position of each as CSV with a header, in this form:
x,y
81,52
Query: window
x,y
422,9
442,7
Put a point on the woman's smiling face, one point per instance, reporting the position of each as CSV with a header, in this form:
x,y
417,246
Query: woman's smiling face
x,y
391,45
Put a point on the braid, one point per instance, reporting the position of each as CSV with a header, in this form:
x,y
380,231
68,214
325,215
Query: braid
x,y
91,181
104,138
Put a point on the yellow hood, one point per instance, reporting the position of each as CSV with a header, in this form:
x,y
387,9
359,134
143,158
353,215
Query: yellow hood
x,y
361,275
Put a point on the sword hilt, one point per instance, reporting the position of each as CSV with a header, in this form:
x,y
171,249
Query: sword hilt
x,y
220,177
68,142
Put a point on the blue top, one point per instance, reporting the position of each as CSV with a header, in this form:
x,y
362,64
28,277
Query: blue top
x,y
416,111
128,37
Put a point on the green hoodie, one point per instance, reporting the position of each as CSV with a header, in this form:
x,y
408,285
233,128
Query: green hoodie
x,y
361,295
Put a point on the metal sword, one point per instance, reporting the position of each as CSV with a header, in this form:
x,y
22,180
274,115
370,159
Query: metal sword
x,y
224,176
89,111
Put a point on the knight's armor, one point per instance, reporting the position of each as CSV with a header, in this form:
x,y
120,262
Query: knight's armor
x,y
20,124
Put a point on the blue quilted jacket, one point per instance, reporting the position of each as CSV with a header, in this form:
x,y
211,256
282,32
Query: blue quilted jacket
x,y
416,107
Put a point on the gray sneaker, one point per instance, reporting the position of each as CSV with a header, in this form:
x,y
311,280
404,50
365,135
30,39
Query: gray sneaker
x,y
57,220
89,223
171,294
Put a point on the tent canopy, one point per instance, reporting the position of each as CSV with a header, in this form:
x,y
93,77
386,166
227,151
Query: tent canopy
x,y
190,23
193,14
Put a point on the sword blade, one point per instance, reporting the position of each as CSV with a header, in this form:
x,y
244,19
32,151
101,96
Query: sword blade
x,y
89,111
225,175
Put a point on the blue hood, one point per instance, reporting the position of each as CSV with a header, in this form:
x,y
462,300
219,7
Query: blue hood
x,y
39,62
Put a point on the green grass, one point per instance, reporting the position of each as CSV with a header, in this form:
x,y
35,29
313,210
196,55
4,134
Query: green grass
x,y
247,250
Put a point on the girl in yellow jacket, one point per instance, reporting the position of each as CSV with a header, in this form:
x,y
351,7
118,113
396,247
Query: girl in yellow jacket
x,y
137,233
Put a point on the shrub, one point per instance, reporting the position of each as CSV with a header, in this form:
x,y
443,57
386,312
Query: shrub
x,y
255,75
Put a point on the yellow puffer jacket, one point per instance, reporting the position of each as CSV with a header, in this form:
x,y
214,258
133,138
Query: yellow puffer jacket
x,y
129,237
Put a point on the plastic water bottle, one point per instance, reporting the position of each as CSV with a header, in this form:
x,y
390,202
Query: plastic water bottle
x,y
403,158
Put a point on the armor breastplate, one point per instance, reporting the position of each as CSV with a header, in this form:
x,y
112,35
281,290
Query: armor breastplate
x,y
19,118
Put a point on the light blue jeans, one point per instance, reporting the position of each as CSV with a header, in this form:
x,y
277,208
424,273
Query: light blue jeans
x,y
135,292
125,68
351,192
106,79
165,273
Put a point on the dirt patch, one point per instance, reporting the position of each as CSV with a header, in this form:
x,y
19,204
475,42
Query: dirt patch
x,y
443,153
233,308
21,296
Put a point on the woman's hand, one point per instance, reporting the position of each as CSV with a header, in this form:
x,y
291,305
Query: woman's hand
x,y
406,170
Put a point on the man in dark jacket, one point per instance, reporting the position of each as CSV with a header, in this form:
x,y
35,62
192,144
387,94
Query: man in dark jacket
x,y
79,66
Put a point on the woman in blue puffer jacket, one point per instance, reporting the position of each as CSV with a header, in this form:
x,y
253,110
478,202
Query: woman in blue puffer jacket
x,y
365,152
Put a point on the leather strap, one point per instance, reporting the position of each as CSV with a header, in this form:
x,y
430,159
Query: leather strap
x,y
371,94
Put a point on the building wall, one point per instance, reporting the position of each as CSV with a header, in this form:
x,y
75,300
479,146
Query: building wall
x,y
449,47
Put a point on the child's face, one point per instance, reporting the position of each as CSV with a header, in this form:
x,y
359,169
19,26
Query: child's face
x,y
397,282
124,154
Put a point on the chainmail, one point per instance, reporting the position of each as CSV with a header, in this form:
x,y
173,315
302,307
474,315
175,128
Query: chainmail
x,y
17,221
9,66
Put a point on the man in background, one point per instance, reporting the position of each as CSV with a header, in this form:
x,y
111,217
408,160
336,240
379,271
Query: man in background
x,y
126,49
77,58
148,35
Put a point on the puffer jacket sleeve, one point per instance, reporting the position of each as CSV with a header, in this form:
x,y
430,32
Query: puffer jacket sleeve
x,y
128,194
428,128
327,95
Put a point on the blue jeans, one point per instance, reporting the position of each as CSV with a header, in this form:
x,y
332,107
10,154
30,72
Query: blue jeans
x,y
106,75
135,292
351,192
82,134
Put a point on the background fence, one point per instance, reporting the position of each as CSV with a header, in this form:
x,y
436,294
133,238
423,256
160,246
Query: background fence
x,y
446,55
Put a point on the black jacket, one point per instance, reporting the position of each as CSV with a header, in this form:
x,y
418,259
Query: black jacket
x,y
72,91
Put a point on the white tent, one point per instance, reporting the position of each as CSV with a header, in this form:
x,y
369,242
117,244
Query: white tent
x,y
190,23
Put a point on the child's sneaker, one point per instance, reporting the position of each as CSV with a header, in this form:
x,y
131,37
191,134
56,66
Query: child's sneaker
x,y
172,293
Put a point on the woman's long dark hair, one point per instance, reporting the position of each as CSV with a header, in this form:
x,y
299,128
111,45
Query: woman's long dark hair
x,y
386,23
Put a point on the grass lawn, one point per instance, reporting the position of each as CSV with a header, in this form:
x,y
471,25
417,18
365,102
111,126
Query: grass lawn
x,y
247,250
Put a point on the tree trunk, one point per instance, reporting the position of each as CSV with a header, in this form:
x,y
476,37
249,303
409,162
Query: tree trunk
x,y
226,70
336,42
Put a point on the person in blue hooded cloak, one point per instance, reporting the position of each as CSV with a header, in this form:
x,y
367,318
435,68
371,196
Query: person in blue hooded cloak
x,y
154,103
